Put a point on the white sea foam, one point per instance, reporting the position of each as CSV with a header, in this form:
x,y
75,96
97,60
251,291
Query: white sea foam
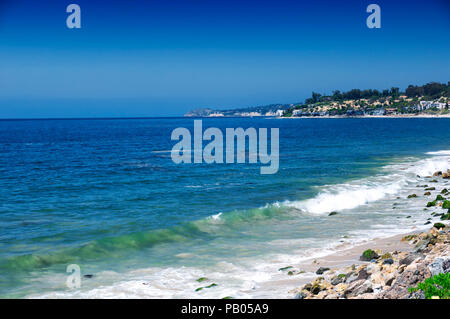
x,y
345,196
361,192
429,166
259,278
216,216
444,152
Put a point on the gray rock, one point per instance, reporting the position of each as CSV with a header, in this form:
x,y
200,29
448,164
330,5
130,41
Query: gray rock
x,y
439,265
388,261
389,281
332,214
321,270
337,281
351,277
408,259
358,287
300,295
399,289
417,295
316,289
421,245
363,274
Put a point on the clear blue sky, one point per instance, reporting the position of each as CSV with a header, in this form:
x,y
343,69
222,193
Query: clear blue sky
x,y
165,57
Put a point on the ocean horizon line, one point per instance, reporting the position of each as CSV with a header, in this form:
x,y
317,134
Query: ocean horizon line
x,y
120,118
89,118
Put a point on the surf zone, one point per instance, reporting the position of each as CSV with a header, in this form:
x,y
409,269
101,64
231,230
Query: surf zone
x,y
231,149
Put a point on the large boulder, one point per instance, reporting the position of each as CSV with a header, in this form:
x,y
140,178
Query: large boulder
x,y
363,274
446,204
318,285
430,204
368,255
412,275
338,279
358,287
408,259
439,225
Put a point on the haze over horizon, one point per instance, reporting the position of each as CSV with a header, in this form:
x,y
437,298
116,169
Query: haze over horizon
x,y
164,58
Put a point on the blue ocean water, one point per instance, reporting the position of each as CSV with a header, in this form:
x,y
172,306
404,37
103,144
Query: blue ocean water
x,y
105,194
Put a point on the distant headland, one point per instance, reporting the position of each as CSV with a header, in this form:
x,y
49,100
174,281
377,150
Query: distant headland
x,y
431,99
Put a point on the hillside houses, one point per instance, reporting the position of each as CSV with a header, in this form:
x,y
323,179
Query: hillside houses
x,y
275,113
425,105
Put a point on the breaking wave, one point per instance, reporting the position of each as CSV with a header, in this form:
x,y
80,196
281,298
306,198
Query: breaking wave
x,y
345,197
361,192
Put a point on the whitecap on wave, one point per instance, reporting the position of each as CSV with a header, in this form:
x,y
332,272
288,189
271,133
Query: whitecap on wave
x,y
395,178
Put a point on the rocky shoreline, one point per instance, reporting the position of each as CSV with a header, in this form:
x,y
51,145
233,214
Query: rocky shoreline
x,y
391,274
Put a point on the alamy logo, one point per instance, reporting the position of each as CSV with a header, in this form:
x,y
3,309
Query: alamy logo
x,y
213,152
74,279
373,20
74,19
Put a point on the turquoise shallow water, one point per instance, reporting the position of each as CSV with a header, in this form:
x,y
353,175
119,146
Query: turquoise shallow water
x,y
106,195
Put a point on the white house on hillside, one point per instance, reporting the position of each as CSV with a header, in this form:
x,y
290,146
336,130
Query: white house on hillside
x,y
425,105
